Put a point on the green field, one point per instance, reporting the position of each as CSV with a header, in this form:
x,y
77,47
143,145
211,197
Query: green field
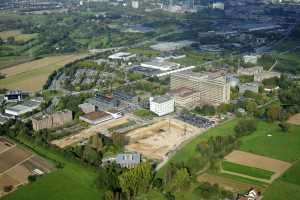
x,y
293,174
246,170
281,146
17,35
73,182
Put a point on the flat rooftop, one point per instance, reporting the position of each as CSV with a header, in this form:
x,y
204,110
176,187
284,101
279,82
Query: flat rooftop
x,y
182,92
95,115
161,99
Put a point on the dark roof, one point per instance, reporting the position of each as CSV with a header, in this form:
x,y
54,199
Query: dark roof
x,y
95,115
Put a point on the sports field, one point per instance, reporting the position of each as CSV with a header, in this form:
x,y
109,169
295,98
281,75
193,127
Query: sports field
x,y
31,76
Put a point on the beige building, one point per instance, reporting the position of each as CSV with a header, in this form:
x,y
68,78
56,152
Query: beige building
x,y
209,88
184,97
251,71
51,121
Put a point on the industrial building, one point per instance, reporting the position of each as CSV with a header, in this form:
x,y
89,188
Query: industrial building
x,y
52,120
162,105
122,56
211,88
24,107
163,66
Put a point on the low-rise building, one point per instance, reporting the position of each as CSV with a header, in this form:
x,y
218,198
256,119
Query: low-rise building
x,y
87,107
102,102
184,97
96,117
253,87
163,65
24,107
13,96
162,105
252,194
128,160
52,120
122,56
251,71
251,59
266,75
125,96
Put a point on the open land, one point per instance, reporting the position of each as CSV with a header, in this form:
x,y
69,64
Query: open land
x,y
257,162
73,181
157,140
16,164
295,119
31,76
17,35
87,133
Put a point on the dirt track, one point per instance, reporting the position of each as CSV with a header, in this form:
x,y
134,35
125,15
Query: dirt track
x,y
87,133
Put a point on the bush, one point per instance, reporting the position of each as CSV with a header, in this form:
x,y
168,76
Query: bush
x,y
8,188
245,127
32,178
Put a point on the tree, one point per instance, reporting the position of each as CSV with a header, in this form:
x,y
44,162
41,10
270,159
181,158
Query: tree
x,y
136,180
273,112
109,195
245,127
251,106
119,140
32,178
181,180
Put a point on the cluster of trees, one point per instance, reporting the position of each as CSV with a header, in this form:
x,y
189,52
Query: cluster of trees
x,y
209,191
147,86
125,183
205,110
245,127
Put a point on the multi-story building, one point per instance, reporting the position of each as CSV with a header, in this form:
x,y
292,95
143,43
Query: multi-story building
x,y
210,88
253,87
52,120
184,97
162,105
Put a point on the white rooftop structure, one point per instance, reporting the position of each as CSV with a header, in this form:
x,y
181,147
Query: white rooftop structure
x,y
161,65
122,56
171,46
162,105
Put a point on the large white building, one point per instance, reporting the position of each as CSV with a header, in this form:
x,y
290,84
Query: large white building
x,y
161,65
122,56
24,107
162,105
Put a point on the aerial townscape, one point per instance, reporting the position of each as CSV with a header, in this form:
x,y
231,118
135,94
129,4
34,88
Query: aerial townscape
x,y
150,99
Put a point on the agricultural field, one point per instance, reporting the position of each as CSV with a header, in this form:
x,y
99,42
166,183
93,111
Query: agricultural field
x,y
18,36
295,119
246,170
73,181
31,76
289,62
16,164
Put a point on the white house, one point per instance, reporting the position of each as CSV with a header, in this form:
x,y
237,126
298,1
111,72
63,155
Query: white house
x,y
162,105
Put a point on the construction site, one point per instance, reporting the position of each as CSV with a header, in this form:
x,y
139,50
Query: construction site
x,y
157,140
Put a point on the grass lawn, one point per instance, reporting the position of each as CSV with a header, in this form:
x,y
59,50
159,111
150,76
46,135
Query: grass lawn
x,y
281,190
293,174
289,62
246,170
74,182
146,51
281,146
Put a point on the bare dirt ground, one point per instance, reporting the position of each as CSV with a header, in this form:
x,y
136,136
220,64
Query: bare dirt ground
x,y
157,140
87,133
295,119
227,183
14,165
261,162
